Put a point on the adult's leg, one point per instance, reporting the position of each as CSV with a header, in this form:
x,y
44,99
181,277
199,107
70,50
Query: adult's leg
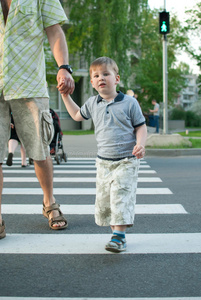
x,y
157,123
4,136
23,156
12,145
44,173
32,121
1,188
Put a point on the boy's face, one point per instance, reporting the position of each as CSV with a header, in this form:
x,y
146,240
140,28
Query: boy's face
x,y
104,79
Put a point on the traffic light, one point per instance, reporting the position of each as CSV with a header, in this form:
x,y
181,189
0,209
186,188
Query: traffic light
x,y
164,25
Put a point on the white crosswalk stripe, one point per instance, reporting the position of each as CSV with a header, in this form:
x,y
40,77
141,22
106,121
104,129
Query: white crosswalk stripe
x,y
74,166
92,244
73,179
28,171
67,243
89,209
80,191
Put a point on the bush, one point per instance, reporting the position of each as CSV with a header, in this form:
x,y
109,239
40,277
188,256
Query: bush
x,y
177,114
192,119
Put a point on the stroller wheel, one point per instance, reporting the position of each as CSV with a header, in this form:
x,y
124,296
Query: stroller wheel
x,y
57,158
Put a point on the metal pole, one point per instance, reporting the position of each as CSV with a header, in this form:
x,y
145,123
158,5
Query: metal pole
x,y
165,86
165,82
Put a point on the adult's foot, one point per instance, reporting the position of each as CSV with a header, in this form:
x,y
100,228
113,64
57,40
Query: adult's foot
x,y
55,216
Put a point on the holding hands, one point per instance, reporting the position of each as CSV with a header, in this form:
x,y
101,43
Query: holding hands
x,y
65,81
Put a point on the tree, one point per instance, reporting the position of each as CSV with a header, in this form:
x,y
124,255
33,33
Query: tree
x,y
105,28
149,67
193,27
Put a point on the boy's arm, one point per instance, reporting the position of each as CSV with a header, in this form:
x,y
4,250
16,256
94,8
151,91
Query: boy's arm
x,y
141,136
72,108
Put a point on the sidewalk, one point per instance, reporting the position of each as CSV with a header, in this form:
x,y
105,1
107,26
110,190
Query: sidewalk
x,y
85,146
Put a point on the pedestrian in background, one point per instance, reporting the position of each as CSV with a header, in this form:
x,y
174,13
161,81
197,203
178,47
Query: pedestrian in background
x,y
130,93
23,25
12,146
121,133
156,113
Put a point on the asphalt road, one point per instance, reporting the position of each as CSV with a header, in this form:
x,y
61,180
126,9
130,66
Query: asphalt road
x,y
164,248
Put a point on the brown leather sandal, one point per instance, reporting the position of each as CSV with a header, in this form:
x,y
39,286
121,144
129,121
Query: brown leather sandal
x,y
2,230
46,212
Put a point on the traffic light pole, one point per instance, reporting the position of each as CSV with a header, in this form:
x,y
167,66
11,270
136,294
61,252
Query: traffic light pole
x,y
165,86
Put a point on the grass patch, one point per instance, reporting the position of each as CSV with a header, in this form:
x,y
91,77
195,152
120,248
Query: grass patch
x,y
78,132
195,143
170,146
191,133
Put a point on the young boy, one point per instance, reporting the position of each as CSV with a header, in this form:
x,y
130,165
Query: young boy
x,y
121,134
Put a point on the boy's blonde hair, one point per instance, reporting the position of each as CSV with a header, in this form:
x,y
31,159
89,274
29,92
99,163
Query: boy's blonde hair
x,y
104,61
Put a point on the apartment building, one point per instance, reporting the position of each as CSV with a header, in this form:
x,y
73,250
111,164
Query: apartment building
x,y
188,95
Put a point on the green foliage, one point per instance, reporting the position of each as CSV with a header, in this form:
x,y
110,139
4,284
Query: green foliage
x,y
196,143
196,108
192,119
194,27
105,28
149,68
177,113
196,133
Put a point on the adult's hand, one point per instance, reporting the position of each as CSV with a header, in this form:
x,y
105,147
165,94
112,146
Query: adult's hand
x,y
65,81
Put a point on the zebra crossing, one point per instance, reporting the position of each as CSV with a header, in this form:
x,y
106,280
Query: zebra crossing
x,y
156,243
76,179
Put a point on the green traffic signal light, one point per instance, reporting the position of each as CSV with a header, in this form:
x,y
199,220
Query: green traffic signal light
x,y
164,26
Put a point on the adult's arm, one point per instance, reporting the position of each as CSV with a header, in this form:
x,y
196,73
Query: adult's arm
x,y
59,49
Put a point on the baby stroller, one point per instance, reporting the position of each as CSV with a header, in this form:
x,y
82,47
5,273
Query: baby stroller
x,y
56,145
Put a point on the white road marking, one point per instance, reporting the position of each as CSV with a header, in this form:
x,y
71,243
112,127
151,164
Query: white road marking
x,y
80,191
73,179
32,171
79,166
29,209
94,243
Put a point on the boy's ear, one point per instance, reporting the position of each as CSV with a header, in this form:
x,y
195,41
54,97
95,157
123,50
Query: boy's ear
x,y
92,82
117,79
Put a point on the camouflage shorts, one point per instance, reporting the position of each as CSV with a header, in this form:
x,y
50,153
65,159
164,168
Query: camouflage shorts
x,y
33,124
116,186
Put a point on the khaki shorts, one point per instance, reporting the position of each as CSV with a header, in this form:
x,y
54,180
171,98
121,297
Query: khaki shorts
x,y
116,187
33,124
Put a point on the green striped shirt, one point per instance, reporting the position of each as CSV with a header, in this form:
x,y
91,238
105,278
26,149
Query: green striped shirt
x,y
22,61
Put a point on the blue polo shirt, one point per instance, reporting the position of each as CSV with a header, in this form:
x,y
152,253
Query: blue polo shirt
x,y
114,124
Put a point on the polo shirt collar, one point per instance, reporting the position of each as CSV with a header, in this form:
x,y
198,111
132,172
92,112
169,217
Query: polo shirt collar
x,y
118,98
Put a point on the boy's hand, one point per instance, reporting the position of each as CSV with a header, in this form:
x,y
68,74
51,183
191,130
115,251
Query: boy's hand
x,y
139,151
65,81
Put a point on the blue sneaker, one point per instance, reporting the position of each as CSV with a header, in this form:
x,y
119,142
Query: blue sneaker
x,y
116,244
